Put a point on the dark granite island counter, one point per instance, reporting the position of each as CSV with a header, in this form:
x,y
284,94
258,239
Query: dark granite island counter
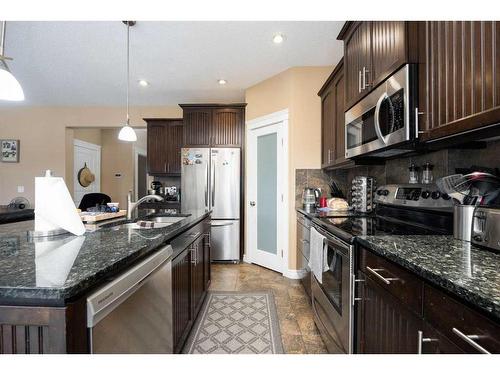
x,y
43,284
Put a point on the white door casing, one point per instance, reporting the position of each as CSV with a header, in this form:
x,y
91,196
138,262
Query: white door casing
x,y
85,152
275,125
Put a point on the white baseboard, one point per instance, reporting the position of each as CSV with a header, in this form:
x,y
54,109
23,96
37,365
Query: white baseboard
x,y
246,259
294,274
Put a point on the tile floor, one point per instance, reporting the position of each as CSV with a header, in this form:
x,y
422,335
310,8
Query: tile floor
x,y
298,332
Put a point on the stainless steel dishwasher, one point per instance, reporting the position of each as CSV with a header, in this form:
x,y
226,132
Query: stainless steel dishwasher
x,y
133,312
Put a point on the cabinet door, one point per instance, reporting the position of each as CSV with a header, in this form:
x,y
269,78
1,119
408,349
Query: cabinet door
x,y
459,76
181,298
388,41
384,324
156,148
197,123
357,59
339,88
197,282
173,145
227,127
327,126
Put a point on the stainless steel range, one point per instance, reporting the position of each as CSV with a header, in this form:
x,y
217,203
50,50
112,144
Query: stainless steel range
x,y
401,209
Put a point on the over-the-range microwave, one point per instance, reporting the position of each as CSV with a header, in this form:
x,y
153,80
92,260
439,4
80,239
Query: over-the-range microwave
x,y
384,123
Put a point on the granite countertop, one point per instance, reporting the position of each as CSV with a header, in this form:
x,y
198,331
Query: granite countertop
x,y
10,215
467,271
56,271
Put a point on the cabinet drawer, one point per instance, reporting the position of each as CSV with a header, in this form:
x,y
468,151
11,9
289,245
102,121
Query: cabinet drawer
x,y
400,283
458,321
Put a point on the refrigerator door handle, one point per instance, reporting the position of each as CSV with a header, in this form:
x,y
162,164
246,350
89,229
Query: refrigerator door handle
x,y
206,187
213,184
220,225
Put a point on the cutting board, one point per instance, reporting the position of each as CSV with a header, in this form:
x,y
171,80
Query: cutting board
x,y
92,217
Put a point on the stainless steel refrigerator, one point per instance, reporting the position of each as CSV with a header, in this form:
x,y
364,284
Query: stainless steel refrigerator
x,y
210,178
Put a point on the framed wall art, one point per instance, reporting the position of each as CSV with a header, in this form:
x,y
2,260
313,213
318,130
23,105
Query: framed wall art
x,y
9,149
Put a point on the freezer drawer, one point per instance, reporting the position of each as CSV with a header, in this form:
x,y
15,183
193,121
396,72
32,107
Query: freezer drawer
x,y
225,240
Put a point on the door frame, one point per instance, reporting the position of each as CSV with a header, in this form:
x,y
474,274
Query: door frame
x,y
279,118
138,151
93,147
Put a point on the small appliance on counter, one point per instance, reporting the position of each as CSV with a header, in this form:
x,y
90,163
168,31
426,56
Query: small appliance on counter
x,y
310,197
486,227
156,188
362,192
171,193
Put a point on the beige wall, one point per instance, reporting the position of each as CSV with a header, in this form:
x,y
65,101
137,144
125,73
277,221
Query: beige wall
x,y
44,139
88,135
295,89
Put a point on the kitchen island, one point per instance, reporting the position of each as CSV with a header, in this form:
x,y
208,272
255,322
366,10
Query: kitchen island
x,y
44,284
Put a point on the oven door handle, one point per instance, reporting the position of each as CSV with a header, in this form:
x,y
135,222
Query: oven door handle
x,y
380,136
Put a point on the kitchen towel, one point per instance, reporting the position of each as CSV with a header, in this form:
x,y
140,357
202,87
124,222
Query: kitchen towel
x,y
54,208
318,258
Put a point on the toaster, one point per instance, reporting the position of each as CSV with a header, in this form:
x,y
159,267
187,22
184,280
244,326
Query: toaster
x,y
486,227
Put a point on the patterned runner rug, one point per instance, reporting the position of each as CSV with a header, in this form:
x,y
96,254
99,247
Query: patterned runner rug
x,y
236,323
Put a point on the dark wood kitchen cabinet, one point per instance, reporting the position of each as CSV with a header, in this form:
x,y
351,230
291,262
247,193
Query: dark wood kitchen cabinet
x,y
213,125
198,288
164,142
459,77
373,50
181,298
332,120
398,312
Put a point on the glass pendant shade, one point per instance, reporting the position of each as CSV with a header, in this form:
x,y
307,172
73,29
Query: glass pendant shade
x,y
10,89
127,133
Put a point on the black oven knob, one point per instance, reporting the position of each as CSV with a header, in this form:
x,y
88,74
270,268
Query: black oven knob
x,y
385,192
426,194
446,197
435,195
379,192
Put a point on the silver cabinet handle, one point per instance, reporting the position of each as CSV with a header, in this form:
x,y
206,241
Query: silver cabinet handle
x,y
168,167
359,81
421,341
417,126
365,84
375,271
470,340
165,167
252,203
353,291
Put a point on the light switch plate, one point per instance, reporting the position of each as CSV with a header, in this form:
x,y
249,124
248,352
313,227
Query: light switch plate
x,y
20,189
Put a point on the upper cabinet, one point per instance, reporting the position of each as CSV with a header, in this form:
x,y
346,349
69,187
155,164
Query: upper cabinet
x,y
164,146
373,50
332,119
213,125
459,77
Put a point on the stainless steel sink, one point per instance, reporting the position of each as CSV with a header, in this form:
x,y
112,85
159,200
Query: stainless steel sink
x,y
167,219
137,226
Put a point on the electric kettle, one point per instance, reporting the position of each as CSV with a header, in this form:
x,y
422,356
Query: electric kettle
x,y
310,198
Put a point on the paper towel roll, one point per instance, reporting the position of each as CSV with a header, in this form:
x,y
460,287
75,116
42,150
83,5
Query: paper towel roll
x,y
54,208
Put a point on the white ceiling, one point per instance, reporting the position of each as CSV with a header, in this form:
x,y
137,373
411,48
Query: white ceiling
x,y
83,63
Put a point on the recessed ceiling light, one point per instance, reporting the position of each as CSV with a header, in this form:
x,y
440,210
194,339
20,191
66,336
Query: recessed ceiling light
x,y
278,38
222,81
143,83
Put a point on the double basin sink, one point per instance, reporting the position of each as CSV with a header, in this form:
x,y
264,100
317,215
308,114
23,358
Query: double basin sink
x,y
157,221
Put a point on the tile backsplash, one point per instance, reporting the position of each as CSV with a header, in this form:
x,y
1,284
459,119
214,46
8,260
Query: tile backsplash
x,y
395,171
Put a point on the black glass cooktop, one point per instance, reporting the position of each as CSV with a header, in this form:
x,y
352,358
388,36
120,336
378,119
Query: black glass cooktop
x,y
389,222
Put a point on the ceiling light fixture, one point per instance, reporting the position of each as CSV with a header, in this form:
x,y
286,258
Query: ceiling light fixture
x,y
222,81
143,83
278,38
127,133
10,89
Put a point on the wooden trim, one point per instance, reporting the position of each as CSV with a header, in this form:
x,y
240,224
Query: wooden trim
x,y
469,123
345,29
338,67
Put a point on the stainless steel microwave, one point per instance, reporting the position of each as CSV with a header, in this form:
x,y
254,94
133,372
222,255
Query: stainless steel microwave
x,y
384,122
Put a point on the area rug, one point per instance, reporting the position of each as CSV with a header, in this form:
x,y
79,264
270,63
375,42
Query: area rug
x,y
236,323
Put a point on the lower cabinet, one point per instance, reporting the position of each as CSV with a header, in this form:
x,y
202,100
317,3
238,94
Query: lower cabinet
x,y
398,312
190,282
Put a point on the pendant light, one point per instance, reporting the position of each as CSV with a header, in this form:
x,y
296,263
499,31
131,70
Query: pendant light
x,y
10,89
127,133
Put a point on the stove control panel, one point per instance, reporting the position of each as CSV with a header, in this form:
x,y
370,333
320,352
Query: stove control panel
x,y
413,195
